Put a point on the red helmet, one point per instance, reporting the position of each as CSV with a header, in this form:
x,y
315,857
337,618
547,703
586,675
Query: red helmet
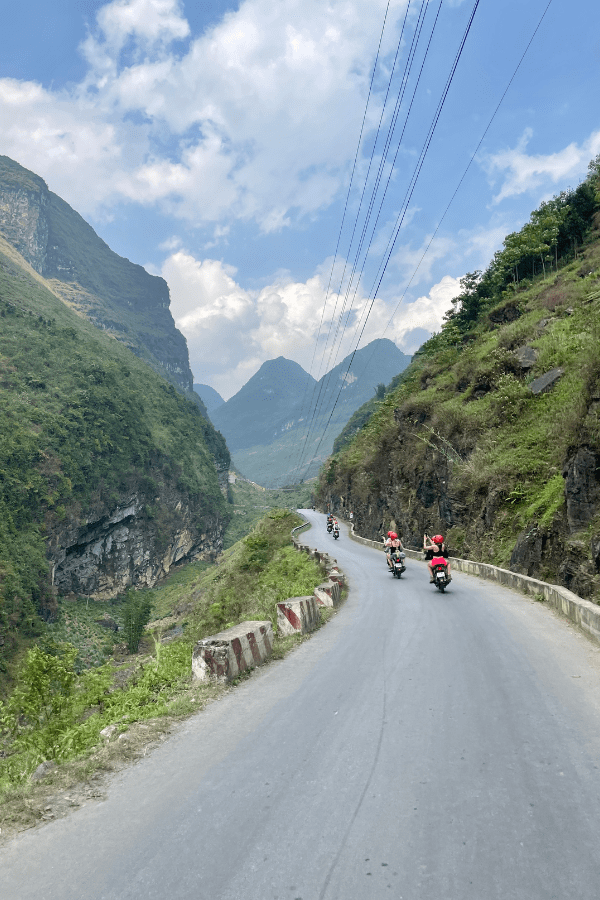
x,y
390,533
438,539
394,536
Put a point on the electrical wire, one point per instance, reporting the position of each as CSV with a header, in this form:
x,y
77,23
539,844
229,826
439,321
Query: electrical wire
x,y
394,237
324,384
358,146
400,218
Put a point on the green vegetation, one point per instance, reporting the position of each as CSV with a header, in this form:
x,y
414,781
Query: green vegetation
x,y
253,576
57,710
461,443
110,291
136,615
82,421
251,501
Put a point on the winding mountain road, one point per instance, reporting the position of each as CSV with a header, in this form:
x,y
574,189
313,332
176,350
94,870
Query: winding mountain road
x,y
419,747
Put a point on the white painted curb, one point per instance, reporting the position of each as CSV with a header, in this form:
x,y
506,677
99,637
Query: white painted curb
x,y
328,594
332,590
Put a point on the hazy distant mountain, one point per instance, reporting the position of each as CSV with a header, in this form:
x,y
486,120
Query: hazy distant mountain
x,y
266,422
209,396
374,364
266,406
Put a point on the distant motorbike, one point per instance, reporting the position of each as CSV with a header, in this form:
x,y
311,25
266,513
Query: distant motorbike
x,y
397,566
441,578
329,527
336,533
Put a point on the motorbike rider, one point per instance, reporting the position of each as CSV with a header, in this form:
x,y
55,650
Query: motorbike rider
x,y
336,527
391,542
396,547
434,548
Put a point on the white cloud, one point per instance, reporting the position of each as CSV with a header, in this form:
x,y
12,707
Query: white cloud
x,y
153,21
231,331
523,172
428,311
255,119
77,151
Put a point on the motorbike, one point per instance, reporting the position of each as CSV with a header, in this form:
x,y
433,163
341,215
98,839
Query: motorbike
x,y
336,533
397,560
329,527
441,578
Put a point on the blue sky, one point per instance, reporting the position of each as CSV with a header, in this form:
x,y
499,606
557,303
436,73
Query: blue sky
x,y
213,143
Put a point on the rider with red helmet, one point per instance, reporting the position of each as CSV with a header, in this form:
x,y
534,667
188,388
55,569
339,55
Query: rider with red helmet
x,y
392,542
387,544
434,548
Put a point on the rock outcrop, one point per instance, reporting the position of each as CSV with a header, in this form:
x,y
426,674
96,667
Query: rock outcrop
x,y
131,544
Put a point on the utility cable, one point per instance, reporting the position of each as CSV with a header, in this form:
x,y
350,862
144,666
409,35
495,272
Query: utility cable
x,y
324,385
464,174
400,218
302,406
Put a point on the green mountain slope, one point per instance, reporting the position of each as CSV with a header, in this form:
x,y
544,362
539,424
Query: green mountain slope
x,y
107,473
265,406
112,292
493,436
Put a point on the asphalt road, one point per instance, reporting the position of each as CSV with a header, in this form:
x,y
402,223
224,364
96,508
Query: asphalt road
x,y
421,746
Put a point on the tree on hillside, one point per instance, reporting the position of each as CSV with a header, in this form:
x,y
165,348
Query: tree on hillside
x,y
467,305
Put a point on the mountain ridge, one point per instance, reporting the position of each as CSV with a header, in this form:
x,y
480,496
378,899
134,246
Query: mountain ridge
x,y
211,398
266,422
113,293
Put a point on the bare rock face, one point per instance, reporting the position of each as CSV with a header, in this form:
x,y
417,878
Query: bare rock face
x,y
582,488
546,381
133,544
526,357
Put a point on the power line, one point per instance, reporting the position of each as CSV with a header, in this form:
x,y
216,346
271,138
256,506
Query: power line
x,y
324,385
463,176
346,203
401,215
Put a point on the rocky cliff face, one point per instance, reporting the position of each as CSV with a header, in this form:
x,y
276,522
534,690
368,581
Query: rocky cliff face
x,y
132,543
110,291
391,494
24,223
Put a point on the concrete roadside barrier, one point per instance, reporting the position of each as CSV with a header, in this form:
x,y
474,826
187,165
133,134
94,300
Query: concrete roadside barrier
x,y
326,595
329,593
333,590
335,574
297,615
226,655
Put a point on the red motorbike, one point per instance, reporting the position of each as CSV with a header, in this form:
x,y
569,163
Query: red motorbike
x,y
441,577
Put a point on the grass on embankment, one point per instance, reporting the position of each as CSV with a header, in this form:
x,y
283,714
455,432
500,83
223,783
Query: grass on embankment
x,y
57,712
